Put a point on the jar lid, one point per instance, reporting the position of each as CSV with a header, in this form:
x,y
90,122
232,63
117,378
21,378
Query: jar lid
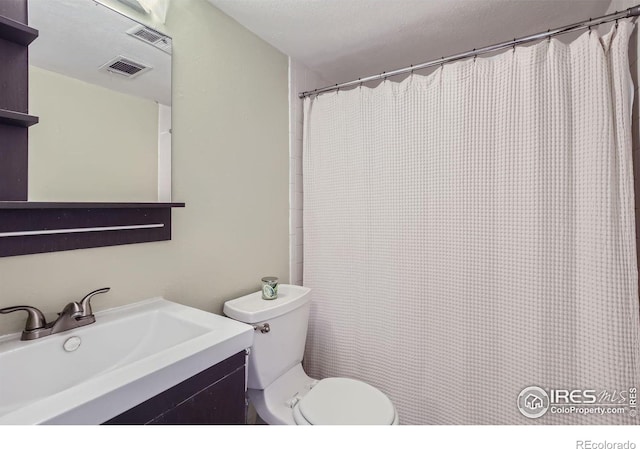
x,y
270,279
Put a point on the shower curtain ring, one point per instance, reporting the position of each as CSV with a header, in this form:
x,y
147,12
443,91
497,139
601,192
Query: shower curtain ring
x,y
616,23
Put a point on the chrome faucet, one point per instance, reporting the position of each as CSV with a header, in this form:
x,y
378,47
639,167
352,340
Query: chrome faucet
x,y
74,314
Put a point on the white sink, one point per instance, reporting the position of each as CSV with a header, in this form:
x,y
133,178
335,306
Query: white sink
x,y
127,356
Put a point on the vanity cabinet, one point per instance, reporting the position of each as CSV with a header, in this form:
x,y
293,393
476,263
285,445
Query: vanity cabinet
x,y
216,395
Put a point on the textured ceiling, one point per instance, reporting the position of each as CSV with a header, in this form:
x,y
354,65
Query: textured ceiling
x,y
346,39
77,37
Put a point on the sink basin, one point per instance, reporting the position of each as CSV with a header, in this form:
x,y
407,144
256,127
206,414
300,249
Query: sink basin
x,y
129,355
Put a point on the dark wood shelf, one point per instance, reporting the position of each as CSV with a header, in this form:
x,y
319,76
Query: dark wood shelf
x,y
17,118
16,32
131,223
56,205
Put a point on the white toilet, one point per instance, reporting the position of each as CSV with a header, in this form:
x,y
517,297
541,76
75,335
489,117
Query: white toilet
x,y
279,389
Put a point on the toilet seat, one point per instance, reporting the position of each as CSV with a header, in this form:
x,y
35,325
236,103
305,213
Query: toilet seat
x,y
338,400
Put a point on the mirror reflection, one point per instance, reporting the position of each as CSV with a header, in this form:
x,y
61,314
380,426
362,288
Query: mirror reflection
x,y
101,84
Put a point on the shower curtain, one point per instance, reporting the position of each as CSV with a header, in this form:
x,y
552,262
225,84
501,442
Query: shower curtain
x,y
470,234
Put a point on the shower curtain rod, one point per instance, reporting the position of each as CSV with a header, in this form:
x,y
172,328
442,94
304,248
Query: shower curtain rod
x,y
631,12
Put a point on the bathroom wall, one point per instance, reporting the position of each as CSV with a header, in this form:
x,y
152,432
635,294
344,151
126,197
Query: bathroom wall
x,y
106,149
230,165
301,79
634,61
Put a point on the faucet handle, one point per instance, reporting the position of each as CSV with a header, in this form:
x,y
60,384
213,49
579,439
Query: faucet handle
x,y
35,320
85,303
72,309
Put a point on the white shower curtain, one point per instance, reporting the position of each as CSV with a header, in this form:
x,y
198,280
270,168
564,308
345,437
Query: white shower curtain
x,y
471,233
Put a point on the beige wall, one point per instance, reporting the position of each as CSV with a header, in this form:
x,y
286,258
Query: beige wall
x,y
230,165
90,136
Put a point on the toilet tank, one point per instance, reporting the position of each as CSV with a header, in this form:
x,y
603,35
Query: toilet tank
x,y
275,352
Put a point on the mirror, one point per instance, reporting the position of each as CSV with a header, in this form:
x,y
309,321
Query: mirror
x,y
100,83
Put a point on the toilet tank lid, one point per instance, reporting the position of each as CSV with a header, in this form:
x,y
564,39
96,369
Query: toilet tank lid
x,y
253,309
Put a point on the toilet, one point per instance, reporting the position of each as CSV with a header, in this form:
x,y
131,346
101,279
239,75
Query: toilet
x,y
278,387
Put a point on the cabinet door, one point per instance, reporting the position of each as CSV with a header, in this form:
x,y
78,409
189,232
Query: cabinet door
x,y
220,403
214,396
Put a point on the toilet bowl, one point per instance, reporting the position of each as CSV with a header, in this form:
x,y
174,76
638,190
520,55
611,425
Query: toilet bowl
x,y
278,387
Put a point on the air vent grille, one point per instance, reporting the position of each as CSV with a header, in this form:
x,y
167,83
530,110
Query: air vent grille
x,y
125,67
151,37
147,35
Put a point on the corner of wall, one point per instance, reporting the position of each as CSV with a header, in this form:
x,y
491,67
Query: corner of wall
x,y
301,78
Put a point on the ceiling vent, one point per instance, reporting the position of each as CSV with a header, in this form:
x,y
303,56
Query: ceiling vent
x,y
125,67
151,37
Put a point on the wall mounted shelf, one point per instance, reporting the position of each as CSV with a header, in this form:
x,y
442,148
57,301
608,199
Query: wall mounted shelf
x,y
81,205
16,32
42,227
15,37
17,118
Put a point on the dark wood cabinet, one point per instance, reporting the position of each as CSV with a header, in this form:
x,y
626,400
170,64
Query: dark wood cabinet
x,y
15,37
220,403
216,395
